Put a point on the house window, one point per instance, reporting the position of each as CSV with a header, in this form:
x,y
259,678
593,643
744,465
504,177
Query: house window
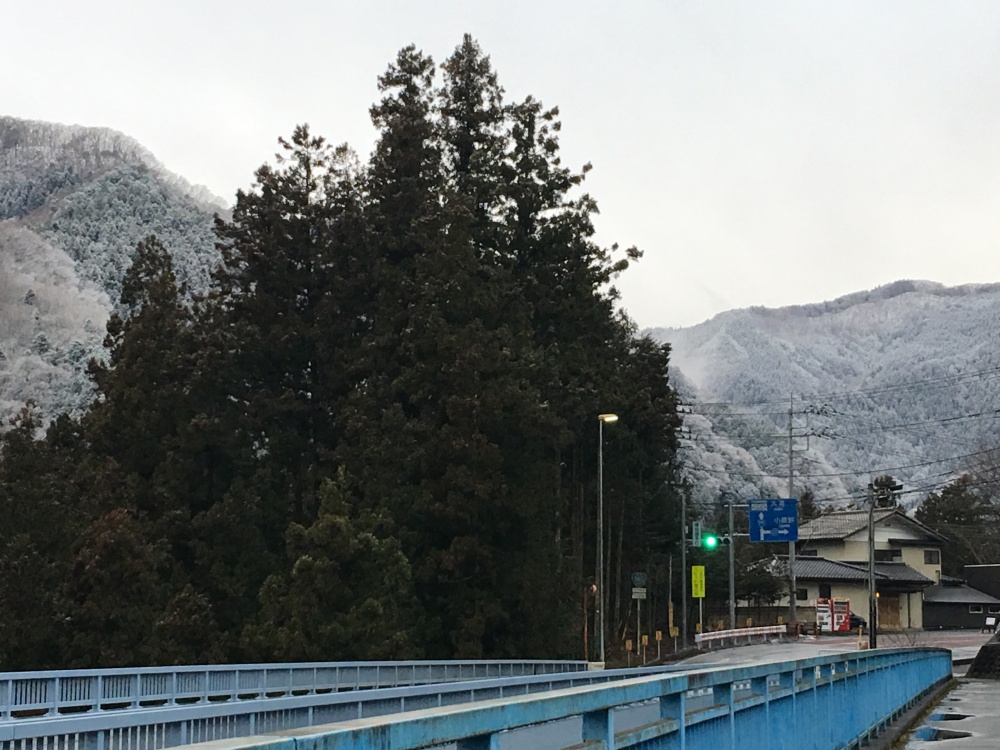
x,y
825,591
975,609
994,609
933,557
801,594
888,555
809,553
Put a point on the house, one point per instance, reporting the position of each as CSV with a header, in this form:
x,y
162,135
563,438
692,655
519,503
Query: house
x,y
898,586
953,604
832,562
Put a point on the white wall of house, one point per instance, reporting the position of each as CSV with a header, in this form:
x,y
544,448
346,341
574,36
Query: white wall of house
x,y
805,609
924,559
910,605
911,610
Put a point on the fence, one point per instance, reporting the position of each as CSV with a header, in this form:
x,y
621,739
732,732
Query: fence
x,y
739,634
152,727
819,703
57,693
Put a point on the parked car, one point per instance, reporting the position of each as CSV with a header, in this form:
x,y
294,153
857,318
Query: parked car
x,y
857,621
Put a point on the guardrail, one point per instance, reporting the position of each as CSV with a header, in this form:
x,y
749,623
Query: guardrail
x,y
740,633
825,702
51,693
153,728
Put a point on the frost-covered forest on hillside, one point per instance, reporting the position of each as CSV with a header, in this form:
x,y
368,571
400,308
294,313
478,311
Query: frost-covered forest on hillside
x,y
902,380
74,203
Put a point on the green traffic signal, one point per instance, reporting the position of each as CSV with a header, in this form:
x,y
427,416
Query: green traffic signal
x,y
710,541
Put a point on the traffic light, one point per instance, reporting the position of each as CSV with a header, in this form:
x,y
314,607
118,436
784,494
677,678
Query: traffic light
x,y
711,541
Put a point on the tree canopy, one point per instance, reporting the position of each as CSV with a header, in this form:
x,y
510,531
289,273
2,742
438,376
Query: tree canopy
x,y
376,434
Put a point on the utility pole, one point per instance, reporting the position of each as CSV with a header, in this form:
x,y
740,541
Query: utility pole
x,y
872,600
732,570
791,545
684,571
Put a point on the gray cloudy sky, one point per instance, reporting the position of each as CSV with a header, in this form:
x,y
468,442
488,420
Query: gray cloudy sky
x,y
760,153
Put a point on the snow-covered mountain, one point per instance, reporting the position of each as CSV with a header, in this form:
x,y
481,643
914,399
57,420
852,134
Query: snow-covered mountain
x,y
74,202
902,380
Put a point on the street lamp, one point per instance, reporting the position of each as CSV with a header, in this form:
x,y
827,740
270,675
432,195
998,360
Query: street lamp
x,y
600,577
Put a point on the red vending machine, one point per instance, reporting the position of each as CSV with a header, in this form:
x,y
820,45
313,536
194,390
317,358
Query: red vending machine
x,y
833,615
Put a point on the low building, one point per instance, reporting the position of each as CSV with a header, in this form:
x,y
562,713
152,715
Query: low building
x,y
907,561
953,604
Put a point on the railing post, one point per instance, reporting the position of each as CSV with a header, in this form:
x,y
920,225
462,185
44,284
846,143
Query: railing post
x,y
599,726
672,708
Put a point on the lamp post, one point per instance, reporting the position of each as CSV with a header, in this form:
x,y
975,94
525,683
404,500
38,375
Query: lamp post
x,y
601,579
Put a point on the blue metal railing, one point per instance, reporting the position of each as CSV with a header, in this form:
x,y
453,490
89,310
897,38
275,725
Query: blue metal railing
x,y
822,702
819,703
156,727
51,693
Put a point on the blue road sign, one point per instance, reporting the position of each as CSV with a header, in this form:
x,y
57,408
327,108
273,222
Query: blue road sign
x,y
774,520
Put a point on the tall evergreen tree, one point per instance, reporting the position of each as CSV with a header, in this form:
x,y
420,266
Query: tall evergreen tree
x,y
39,517
285,301
967,519
347,595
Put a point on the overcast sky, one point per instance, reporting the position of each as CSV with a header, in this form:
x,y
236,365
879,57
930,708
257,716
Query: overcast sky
x,y
759,153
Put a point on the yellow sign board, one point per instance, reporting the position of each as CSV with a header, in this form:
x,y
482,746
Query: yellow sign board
x,y
645,640
698,581
659,635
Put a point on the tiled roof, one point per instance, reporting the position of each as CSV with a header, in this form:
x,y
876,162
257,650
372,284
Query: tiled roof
x,y
841,524
895,571
821,569
961,594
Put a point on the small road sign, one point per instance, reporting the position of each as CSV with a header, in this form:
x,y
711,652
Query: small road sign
x,y
639,592
774,520
697,581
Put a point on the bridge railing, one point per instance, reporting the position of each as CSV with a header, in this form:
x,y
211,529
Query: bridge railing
x,y
156,727
738,635
52,693
824,702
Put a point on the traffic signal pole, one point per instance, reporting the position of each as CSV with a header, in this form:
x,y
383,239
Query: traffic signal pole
x,y
732,570
684,571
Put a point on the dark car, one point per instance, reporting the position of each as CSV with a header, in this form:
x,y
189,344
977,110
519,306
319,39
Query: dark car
x,y
857,621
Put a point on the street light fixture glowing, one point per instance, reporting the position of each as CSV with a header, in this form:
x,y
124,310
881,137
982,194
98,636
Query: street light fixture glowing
x,y
608,418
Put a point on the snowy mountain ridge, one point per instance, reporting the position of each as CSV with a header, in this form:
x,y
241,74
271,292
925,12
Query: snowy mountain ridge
x,y
74,203
901,380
